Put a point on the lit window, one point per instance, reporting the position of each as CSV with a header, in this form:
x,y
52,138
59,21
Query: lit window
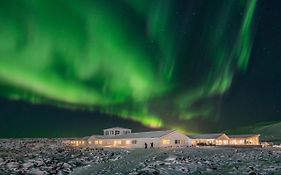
x,y
100,141
128,142
134,141
96,142
166,142
117,142
90,142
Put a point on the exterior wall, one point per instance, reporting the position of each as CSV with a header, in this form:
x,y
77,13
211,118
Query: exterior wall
x,y
125,143
237,141
76,143
175,139
203,141
253,140
140,142
245,141
227,141
222,140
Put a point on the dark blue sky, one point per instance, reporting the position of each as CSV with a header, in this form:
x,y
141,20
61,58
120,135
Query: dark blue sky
x,y
184,70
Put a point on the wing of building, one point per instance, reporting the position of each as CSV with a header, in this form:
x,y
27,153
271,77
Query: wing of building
x,y
223,139
210,139
122,137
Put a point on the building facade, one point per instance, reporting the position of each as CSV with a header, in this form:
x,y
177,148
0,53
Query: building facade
x,y
168,138
226,140
118,137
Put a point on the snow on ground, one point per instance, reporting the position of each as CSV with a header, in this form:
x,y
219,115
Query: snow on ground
x,y
203,160
50,156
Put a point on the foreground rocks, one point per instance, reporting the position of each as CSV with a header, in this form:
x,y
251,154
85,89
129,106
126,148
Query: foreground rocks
x,y
213,160
194,161
48,156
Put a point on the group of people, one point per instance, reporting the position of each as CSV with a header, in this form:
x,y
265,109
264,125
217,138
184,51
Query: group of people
x,y
145,145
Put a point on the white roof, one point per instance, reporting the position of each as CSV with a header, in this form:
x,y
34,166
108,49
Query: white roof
x,y
117,128
151,134
206,136
243,136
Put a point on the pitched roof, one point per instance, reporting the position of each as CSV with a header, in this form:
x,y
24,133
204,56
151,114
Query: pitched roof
x,y
117,128
152,134
206,136
243,136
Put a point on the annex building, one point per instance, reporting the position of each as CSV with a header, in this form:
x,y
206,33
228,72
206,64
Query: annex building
x,y
223,139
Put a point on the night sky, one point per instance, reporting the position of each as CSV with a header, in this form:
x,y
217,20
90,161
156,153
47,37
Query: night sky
x,y
72,68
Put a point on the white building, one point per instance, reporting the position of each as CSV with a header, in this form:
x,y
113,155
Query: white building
x,y
223,139
210,139
124,138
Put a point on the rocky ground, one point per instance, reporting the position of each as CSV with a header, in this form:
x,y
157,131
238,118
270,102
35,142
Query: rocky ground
x,y
50,156
203,160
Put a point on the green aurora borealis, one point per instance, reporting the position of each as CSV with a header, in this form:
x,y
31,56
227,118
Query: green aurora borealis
x,y
162,63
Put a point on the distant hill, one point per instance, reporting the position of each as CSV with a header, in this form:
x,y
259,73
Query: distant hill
x,y
270,131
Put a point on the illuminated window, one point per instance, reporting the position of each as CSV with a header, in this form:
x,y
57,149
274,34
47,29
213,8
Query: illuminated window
x,y
128,142
90,142
134,141
100,141
166,142
117,142
96,142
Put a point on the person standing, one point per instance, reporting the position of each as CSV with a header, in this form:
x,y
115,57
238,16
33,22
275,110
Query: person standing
x,y
151,145
145,145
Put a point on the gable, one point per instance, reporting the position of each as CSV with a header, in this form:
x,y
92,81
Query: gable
x,y
223,137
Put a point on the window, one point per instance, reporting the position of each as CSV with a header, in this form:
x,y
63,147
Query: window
x,y
166,141
111,132
177,142
117,142
90,142
100,142
128,142
117,132
134,141
106,132
96,142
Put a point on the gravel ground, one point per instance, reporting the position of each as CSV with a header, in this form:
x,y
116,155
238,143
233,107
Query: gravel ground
x,y
202,160
50,156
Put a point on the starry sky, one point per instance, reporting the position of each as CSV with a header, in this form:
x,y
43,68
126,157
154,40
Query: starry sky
x,y
71,68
